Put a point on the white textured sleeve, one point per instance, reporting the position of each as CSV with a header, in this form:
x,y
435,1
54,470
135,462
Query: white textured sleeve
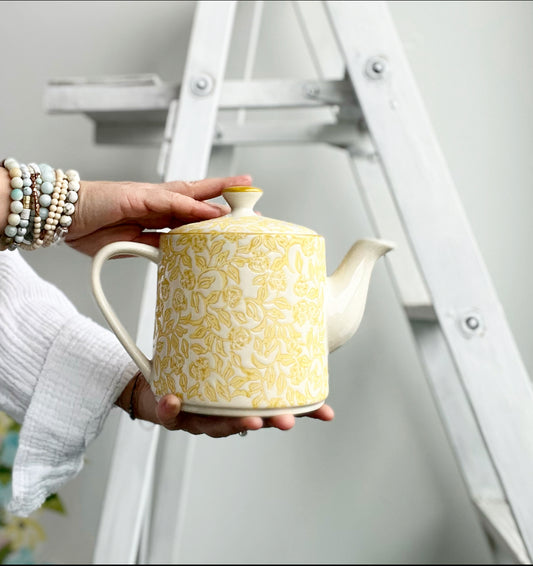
x,y
60,374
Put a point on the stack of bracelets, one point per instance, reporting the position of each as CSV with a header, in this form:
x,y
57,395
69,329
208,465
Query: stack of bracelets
x,y
42,204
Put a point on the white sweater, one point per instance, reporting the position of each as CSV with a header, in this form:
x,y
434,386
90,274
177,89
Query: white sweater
x,y
60,374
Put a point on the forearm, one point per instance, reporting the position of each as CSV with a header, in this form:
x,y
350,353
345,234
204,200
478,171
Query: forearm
x,y
60,375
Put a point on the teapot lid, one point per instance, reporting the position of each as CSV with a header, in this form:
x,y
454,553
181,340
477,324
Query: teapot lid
x,y
242,218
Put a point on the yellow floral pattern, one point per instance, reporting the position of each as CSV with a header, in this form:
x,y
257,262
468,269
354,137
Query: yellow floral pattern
x,y
250,225
240,317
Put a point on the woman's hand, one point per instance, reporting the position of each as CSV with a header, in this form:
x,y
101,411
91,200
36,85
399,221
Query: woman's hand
x,y
109,211
167,413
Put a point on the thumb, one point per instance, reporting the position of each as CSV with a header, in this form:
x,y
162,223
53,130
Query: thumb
x,y
167,410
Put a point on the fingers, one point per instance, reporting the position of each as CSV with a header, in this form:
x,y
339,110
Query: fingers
x,y
160,206
324,413
167,410
207,188
281,422
191,206
168,413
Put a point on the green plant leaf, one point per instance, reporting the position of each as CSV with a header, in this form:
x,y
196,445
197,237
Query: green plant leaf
x,y
53,503
5,475
4,552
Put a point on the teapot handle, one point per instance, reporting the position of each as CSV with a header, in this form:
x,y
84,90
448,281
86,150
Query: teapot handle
x,y
107,252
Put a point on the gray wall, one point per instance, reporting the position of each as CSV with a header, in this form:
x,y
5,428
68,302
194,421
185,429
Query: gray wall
x,y
379,483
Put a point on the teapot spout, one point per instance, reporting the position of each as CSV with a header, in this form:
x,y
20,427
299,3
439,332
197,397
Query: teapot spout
x,y
348,288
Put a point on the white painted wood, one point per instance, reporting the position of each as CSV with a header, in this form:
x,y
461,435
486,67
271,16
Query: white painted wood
x,y
255,28
126,501
111,102
230,133
373,187
456,413
489,363
473,459
188,158
278,133
167,137
206,60
231,152
367,170
498,520
319,38
169,505
417,312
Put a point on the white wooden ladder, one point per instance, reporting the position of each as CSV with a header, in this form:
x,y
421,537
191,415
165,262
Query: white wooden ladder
x,y
478,379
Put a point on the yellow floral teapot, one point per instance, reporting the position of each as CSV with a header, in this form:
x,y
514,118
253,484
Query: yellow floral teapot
x,y
245,315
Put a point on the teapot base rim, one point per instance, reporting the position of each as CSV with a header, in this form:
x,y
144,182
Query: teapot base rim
x,y
213,410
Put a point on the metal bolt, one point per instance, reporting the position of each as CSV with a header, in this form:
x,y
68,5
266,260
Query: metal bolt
x,y
472,322
202,85
311,90
376,67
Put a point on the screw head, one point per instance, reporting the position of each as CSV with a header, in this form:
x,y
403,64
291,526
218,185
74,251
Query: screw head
x,y
311,90
202,85
472,322
376,68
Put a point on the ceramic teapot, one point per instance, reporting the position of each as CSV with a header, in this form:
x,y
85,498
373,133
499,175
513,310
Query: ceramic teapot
x,y
245,315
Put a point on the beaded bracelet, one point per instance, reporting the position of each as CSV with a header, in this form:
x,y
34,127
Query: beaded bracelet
x,y
36,207
13,219
131,406
69,203
42,204
26,204
51,201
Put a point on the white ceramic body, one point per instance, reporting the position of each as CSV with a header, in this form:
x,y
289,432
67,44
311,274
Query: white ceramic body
x,y
245,314
240,322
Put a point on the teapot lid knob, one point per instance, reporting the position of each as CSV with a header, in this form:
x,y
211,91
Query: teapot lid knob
x,y
242,200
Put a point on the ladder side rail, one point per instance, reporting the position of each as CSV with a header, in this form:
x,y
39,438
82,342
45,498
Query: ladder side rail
x,y
463,433
175,463
187,158
469,447
465,437
471,316
319,38
190,146
452,403
127,496
327,61
372,184
504,539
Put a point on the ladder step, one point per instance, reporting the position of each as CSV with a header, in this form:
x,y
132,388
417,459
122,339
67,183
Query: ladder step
x,y
117,130
424,312
148,93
